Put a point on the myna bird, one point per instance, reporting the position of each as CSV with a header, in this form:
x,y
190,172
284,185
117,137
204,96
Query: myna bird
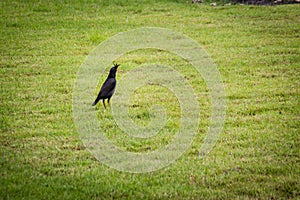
x,y
108,87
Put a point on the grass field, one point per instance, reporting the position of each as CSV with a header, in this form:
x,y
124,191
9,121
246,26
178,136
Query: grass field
x,y
256,49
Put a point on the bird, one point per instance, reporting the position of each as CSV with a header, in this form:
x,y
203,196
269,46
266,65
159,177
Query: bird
x,y
108,87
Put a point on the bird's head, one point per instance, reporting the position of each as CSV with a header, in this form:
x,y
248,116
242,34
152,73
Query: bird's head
x,y
116,65
113,70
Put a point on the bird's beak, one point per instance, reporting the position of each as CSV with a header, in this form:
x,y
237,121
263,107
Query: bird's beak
x,y
116,66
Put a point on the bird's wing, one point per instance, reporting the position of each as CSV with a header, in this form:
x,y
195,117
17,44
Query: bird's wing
x,y
107,87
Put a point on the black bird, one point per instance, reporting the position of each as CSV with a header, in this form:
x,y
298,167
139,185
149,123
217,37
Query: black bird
x,y
108,87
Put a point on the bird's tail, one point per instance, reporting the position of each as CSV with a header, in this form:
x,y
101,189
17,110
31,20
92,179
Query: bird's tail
x,y
96,101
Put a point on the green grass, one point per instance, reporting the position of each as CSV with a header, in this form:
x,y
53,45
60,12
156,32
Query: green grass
x,y
256,49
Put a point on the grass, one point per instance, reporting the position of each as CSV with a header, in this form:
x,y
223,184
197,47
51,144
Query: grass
x,y
257,53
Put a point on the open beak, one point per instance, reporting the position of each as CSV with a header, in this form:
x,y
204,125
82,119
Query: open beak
x,y
116,65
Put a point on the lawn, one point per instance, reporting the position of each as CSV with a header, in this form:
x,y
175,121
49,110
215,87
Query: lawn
x,y
256,50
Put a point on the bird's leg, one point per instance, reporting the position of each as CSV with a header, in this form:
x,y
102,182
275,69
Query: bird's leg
x,y
103,103
108,101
